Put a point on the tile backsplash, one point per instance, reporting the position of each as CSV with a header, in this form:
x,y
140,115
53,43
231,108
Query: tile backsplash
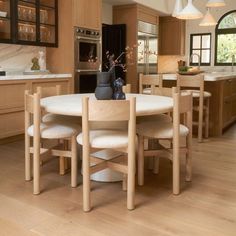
x,y
17,58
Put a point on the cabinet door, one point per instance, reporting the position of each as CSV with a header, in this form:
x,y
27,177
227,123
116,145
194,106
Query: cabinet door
x,y
227,89
48,22
172,36
87,13
5,21
26,22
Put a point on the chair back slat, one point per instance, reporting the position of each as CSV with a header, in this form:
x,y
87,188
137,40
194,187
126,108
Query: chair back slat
x,y
49,91
126,88
110,110
167,92
186,103
149,81
194,81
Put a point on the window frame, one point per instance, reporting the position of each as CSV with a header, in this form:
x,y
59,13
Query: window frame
x,y
200,49
222,31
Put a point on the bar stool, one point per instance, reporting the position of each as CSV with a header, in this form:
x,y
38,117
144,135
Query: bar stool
x,y
201,97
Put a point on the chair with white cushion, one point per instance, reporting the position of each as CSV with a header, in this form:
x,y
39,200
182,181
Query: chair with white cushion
x,y
171,131
49,91
147,83
201,97
93,140
39,130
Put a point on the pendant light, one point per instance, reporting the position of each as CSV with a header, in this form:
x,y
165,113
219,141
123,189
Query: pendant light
x,y
215,3
208,19
190,12
178,8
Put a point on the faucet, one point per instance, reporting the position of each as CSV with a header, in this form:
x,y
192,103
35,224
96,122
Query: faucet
x,y
233,62
199,59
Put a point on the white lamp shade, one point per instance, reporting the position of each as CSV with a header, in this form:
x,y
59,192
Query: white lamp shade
x,y
190,12
208,20
178,8
215,3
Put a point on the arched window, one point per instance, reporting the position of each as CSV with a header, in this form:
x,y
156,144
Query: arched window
x,y
225,46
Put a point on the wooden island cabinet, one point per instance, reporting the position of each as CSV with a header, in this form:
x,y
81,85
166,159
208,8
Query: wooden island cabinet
x,y
12,101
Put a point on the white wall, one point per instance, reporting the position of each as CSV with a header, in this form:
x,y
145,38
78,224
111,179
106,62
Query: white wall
x,y
192,26
159,5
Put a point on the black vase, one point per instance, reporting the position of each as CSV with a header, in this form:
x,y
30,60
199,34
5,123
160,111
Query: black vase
x,y
103,90
118,94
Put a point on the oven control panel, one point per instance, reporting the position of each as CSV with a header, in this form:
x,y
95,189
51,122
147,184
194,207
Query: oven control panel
x,y
82,32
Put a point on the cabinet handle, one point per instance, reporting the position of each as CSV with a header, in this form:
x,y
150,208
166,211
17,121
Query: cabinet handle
x,y
229,81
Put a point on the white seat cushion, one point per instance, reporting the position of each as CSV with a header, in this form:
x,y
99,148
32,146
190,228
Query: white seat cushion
x,y
147,91
158,118
52,130
58,118
159,130
106,139
196,93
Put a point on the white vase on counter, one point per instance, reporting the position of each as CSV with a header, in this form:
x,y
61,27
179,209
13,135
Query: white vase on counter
x,y
42,61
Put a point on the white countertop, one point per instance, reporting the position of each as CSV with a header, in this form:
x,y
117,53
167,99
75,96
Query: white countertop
x,y
214,76
28,77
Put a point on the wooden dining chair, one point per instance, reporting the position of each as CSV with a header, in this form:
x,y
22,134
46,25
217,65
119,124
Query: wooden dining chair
x,y
195,85
147,83
126,88
112,139
38,130
182,104
50,91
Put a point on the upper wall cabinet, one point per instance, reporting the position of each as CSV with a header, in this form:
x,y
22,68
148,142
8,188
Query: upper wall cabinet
x,y
87,13
172,36
29,22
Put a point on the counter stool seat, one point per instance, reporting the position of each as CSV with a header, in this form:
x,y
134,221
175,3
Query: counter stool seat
x,y
196,93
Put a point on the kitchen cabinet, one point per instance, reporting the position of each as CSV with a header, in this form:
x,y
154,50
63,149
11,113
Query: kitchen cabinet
x,y
171,36
12,101
29,22
87,14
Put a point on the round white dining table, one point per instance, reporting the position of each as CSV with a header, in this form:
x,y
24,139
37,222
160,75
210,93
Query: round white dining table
x,y
71,105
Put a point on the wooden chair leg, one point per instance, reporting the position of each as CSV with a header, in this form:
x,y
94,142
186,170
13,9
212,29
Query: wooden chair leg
x,y
36,166
176,168
62,160
27,158
207,118
86,180
124,182
156,165
200,125
140,160
131,179
74,163
188,176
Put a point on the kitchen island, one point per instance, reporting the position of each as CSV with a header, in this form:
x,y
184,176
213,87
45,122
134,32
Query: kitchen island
x,y
12,90
222,86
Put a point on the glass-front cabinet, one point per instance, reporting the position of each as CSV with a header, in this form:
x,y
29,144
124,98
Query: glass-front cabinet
x,y
32,22
5,20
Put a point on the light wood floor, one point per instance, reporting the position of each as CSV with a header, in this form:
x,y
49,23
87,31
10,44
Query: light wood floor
x,y
206,207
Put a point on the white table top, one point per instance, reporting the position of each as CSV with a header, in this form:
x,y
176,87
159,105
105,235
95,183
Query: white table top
x,y
71,104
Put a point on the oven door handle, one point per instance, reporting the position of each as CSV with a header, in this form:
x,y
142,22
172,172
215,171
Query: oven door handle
x,y
87,70
90,39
